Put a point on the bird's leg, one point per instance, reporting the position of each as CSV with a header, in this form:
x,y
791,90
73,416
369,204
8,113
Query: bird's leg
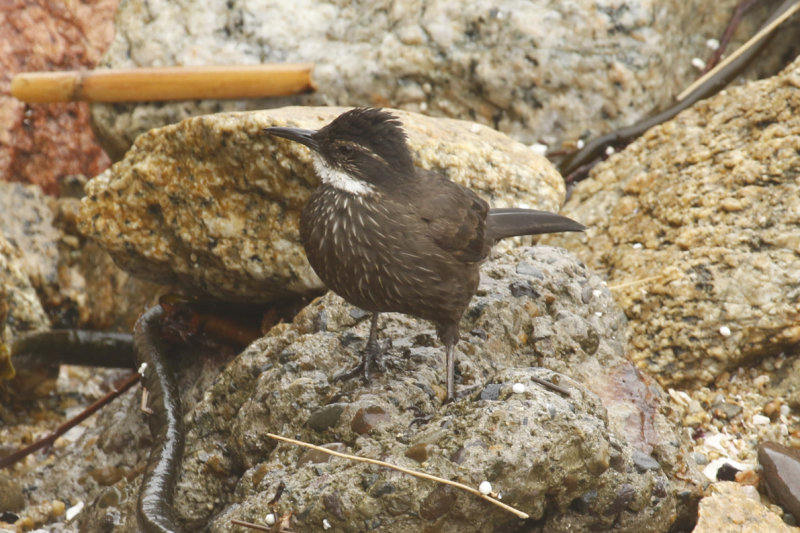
x,y
450,359
448,334
371,351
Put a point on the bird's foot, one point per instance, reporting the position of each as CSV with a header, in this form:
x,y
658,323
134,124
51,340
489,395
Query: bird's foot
x,y
370,357
461,394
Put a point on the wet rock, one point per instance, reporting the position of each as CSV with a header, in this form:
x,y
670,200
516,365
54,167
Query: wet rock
x,y
326,417
503,64
41,143
213,204
781,475
368,418
733,507
420,452
697,224
316,456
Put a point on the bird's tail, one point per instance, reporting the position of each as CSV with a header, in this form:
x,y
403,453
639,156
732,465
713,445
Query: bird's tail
x,y
514,221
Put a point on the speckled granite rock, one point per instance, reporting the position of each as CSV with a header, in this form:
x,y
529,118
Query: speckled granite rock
x,y
539,71
109,298
697,223
41,143
27,222
212,204
569,461
732,508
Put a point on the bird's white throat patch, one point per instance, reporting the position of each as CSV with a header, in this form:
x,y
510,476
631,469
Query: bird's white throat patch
x,y
340,180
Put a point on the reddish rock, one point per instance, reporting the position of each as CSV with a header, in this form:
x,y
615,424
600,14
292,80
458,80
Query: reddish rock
x,y
39,143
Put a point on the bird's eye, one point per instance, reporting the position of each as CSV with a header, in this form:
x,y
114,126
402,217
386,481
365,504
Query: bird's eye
x,y
346,149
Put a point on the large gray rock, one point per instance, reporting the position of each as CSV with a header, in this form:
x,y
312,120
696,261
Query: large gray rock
x,y
213,204
567,460
697,224
539,71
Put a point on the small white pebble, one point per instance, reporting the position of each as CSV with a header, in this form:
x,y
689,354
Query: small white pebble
x,y
142,369
596,293
761,380
598,314
712,44
518,388
725,331
610,150
73,511
580,144
475,128
785,410
423,106
539,148
325,524
637,246
485,488
760,420
698,63
751,493
270,519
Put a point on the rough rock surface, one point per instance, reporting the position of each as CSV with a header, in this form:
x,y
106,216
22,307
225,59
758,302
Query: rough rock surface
x,y
564,459
213,204
20,309
40,143
540,71
735,508
697,226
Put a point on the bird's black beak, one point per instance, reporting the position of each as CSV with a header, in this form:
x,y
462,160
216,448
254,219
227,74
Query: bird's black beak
x,y
305,137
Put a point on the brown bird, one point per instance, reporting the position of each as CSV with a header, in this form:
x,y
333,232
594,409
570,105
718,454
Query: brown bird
x,y
390,237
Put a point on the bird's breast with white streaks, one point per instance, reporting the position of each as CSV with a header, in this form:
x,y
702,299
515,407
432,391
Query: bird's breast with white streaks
x,y
370,257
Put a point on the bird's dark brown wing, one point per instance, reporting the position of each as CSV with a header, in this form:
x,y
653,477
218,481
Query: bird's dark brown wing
x,y
455,216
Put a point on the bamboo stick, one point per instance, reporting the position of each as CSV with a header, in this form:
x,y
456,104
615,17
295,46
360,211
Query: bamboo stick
x,y
160,84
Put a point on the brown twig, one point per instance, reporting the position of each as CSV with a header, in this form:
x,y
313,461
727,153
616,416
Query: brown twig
x,y
740,11
47,440
789,9
161,84
415,473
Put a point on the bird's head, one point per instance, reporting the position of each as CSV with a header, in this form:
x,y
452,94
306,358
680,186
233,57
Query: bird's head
x,y
361,150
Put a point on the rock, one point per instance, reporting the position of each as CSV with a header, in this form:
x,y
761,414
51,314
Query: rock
x,y
212,204
20,311
504,64
697,225
27,222
77,283
41,143
781,475
109,298
732,507
563,459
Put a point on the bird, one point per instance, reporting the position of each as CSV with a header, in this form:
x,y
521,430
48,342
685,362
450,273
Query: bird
x,y
388,236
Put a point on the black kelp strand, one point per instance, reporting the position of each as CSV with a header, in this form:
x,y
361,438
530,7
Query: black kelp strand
x,y
73,347
154,510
